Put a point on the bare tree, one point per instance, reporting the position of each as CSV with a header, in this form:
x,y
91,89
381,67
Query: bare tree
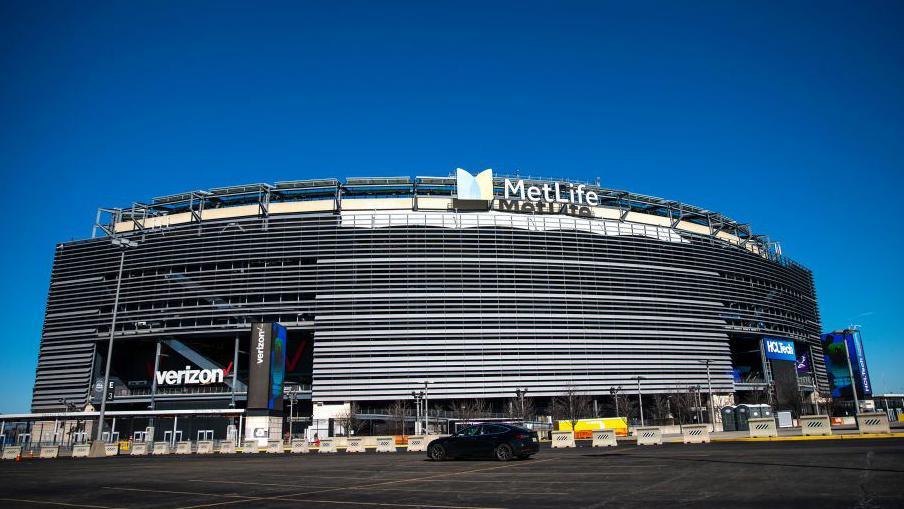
x,y
571,406
471,409
398,412
661,407
683,403
528,409
349,420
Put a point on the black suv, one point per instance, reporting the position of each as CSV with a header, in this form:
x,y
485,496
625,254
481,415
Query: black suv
x,y
489,440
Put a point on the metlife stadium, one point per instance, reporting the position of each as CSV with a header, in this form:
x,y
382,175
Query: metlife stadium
x,y
480,286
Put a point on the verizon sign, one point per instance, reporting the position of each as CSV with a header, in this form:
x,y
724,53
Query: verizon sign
x,y
189,376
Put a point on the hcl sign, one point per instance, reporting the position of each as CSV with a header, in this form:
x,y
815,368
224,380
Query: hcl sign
x,y
776,349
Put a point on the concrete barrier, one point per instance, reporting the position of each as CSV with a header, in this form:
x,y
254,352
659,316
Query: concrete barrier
x,y
695,433
81,451
762,427
49,451
250,447
604,438
183,447
139,449
648,436
873,423
111,450
10,452
815,425
417,443
300,446
160,449
386,444
205,447
355,444
275,447
226,447
562,439
328,445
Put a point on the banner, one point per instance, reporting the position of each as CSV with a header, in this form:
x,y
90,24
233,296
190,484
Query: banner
x,y
259,360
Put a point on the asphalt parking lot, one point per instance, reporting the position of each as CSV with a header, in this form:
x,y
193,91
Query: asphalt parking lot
x,y
825,474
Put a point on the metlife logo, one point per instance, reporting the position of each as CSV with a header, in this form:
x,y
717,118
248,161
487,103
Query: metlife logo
x,y
777,349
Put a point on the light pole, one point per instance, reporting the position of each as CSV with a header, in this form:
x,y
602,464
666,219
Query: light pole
x,y
97,448
418,396
709,384
640,398
426,408
519,393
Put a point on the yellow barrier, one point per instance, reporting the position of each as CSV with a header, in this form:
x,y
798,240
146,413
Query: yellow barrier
x,y
584,428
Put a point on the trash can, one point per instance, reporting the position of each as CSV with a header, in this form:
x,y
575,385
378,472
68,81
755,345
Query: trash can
x,y
729,423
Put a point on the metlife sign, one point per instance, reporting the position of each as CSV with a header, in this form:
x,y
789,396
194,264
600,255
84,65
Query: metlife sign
x,y
476,192
780,350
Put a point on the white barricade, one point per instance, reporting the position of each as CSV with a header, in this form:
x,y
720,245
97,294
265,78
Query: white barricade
x,y
695,433
355,444
386,444
183,447
417,443
648,436
275,447
250,447
81,451
10,452
111,449
205,447
49,451
762,427
139,449
562,439
300,446
604,438
226,447
815,425
160,448
327,445
873,423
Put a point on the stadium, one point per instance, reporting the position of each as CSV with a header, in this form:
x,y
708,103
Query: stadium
x,y
383,289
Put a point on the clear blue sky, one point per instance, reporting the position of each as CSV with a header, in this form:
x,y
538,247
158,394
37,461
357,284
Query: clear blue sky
x,y
789,116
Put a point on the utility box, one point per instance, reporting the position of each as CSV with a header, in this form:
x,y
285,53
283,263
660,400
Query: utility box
x,y
784,419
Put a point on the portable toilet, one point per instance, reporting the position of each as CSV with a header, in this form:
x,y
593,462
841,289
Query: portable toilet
x,y
742,413
729,423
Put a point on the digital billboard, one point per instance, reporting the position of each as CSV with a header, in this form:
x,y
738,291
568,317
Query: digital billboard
x,y
779,349
277,367
837,364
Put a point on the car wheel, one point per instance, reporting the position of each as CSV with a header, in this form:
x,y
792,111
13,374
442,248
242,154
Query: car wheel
x,y
504,452
437,452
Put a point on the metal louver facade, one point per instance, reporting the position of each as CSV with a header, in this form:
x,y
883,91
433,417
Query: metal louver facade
x,y
479,303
